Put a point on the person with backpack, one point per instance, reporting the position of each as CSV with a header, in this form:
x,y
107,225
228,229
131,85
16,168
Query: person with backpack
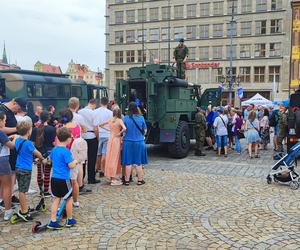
x,y
265,129
282,127
220,124
273,122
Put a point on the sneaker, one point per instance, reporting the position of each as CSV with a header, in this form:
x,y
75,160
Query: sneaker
x,y
70,222
84,190
8,213
15,200
47,194
76,203
26,217
31,191
116,183
54,225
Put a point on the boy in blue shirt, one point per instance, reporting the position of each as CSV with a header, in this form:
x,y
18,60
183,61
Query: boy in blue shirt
x,y
61,187
25,151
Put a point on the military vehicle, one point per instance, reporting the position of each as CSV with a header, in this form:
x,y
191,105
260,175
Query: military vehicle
x,y
170,104
46,89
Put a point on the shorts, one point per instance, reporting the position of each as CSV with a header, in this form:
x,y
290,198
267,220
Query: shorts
x,y
208,132
102,146
222,141
13,160
276,130
74,172
23,178
5,166
61,188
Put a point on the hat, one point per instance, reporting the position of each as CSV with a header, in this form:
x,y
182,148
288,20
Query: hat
x,y
220,110
181,40
21,101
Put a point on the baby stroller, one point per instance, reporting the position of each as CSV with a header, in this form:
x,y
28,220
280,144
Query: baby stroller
x,y
284,169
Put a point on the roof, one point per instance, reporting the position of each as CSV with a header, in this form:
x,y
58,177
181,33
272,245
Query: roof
x,y
51,68
32,72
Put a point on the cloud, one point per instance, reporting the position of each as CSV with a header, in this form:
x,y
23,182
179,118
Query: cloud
x,y
54,31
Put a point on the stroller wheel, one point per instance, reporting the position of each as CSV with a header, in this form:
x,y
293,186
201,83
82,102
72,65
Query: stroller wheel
x,y
294,185
269,179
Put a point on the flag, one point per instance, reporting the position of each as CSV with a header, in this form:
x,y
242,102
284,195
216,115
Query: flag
x,y
274,85
240,92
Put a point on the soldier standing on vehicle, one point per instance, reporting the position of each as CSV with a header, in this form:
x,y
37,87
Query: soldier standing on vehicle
x,y
200,129
283,128
181,54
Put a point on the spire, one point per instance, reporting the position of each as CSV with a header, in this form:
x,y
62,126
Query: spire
x,y
4,57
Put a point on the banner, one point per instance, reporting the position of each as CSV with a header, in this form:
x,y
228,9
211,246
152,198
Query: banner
x,y
295,57
240,92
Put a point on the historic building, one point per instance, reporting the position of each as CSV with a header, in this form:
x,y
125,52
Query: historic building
x,y
82,72
48,68
4,64
261,34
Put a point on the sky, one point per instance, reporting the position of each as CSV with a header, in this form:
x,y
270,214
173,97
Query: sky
x,y
53,31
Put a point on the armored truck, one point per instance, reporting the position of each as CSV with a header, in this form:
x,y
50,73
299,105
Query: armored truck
x,y
169,104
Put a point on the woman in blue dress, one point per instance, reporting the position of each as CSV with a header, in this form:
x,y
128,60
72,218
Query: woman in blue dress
x,y
252,135
134,150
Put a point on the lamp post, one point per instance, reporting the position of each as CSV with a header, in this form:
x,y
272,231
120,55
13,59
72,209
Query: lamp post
x,y
231,84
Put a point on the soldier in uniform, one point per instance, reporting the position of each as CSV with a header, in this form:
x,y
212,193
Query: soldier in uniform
x,y
283,124
181,54
200,129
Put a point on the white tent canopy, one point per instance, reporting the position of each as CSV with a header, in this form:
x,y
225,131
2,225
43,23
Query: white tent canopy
x,y
258,100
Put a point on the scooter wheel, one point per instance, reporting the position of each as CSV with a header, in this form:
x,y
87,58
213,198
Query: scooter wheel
x,y
294,185
43,208
14,219
35,226
269,179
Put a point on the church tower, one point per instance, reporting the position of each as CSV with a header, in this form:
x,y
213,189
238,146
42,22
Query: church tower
x,y
4,56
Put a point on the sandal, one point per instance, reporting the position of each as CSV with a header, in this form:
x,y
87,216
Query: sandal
x,y
126,183
142,182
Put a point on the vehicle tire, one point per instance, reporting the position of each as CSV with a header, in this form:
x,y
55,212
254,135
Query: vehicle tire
x,y
180,147
269,179
294,185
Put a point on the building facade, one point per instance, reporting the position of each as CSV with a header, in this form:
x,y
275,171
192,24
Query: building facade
x,y
48,68
261,41
4,64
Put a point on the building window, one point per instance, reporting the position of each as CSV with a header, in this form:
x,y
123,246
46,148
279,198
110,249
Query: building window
x,y
204,75
119,75
130,56
130,16
231,30
119,1
191,32
178,33
142,15
140,56
153,14
119,37
217,52
204,53
259,74
164,34
178,11
217,75
165,13
261,27
261,5
218,8
204,31
192,75
245,74
246,28
228,47
119,57
233,72
164,55
218,30
276,26
231,4
260,50
192,53
154,34
276,4
246,6
140,35
204,9
275,49
130,36
153,55
245,51
119,15
274,73
191,10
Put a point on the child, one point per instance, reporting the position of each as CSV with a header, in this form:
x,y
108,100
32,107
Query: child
x,y
61,187
25,151
5,170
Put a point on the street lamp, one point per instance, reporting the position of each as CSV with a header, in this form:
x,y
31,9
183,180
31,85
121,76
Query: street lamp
x,y
230,83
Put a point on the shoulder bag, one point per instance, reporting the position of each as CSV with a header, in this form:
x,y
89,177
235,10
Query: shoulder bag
x,y
137,126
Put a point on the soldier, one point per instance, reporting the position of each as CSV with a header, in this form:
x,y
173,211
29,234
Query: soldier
x,y
200,129
282,128
181,54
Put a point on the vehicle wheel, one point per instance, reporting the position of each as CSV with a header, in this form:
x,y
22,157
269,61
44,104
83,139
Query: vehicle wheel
x,y
269,179
294,185
35,226
180,148
14,219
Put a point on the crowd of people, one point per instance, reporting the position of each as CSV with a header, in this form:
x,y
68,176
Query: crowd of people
x,y
65,149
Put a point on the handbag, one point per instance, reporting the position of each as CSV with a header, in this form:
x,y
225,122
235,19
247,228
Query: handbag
x,y
240,134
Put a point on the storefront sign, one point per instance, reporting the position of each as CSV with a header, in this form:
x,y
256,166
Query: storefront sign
x,y
208,65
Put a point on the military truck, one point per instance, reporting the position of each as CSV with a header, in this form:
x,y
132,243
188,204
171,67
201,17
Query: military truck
x,y
170,104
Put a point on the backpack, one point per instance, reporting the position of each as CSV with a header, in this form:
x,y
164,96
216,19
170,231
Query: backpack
x,y
273,120
79,150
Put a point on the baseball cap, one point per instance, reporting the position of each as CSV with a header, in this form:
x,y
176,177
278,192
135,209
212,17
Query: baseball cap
x,y
22,103
181,40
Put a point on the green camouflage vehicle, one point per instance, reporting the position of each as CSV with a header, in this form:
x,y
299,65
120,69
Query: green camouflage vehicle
x,y
46,89
169,102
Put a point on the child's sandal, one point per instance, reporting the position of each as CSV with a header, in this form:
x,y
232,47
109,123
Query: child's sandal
x,y
126,183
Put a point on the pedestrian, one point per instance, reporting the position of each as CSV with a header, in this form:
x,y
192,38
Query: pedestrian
x,y
101,115
274,122
43,137
220,124
252,133
250,108
25,151
237,122
74,105
36,118
5,170
181,54
22,116
53,120
90,137
134,150
200,128
283,128
265,129
229,114
113,154
61,187
209,133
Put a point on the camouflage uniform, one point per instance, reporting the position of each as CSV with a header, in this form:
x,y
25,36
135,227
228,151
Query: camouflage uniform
x,y
282,130
200,129
180,53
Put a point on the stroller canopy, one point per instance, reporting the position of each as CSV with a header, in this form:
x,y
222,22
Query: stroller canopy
x,y
258,100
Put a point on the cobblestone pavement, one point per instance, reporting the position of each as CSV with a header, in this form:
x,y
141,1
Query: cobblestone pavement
x,y
192,203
